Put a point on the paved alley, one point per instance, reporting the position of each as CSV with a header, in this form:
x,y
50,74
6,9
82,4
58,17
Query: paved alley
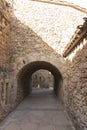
x,y
39,111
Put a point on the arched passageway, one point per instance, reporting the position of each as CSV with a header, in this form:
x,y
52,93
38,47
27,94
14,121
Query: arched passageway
x,y
25,74
42,79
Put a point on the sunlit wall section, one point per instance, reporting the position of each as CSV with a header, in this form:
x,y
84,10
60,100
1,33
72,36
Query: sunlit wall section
x,y
55,24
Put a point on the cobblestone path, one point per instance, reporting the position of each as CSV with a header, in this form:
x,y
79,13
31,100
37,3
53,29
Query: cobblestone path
x,y
39,111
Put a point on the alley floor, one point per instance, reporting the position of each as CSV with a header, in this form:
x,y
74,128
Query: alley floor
x,y
39,111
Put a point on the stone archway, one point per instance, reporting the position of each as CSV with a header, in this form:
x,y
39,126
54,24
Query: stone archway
x,y
42,79
24,78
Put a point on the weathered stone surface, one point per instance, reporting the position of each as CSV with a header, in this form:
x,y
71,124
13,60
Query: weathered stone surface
x,y
5,79
76,89
40,32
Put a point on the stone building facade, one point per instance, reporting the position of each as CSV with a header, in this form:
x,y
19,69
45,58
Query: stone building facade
x,y
29,42
76,88
4,58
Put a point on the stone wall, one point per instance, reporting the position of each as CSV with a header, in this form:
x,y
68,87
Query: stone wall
x,y
37,38
5,68
75,87
39,32
4,34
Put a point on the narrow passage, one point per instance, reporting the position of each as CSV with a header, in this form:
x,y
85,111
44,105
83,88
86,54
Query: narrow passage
x,y
39,111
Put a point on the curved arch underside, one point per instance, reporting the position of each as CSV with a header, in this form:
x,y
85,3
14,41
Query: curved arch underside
x,y
24,77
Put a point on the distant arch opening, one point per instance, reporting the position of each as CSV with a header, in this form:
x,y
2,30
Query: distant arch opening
x,y
42,79
26,74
